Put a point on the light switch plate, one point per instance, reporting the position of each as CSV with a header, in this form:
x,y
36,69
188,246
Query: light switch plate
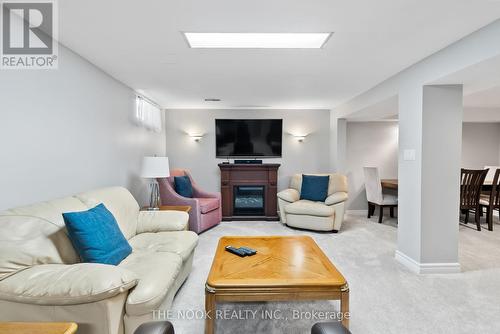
x,y
409,155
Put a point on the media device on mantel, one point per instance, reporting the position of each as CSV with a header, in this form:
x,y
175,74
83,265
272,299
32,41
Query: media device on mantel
x,y
248,162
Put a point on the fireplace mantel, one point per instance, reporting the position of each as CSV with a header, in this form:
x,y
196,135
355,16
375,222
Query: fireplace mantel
x,y
234,175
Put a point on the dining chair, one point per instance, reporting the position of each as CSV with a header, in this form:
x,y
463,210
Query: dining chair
x,y
470,193
491,201
491,172
375,196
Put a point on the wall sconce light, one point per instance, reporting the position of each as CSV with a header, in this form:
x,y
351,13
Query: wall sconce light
x,y
196,138
300,138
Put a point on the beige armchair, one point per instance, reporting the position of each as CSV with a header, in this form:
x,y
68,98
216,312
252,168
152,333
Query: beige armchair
x,y
42,278
318,216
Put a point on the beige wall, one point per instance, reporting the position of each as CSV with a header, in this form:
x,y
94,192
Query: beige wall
x,y
480,145
68,130
376,144
309,157
369,144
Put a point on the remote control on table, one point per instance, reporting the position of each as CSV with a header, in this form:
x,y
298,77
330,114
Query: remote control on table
x,y
249,251
236,251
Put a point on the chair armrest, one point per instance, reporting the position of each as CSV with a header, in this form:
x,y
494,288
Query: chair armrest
x,y
155,327
329,328
161,221
62,284
289,195
336,198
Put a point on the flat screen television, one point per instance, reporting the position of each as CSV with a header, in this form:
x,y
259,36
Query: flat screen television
x,y
248,138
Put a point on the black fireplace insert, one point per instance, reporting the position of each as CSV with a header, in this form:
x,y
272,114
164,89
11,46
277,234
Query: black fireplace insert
x,y
249,201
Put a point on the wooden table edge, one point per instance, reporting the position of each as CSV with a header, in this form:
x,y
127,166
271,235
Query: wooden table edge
x,y
213,295
72,327
390,183
291,287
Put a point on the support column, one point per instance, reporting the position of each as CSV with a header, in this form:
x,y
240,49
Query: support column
x,y
430,140
338,132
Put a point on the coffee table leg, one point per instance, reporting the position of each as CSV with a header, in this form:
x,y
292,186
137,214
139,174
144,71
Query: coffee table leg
x,y
344,307
210,312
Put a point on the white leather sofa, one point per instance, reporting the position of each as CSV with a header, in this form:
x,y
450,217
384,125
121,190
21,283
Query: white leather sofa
x,y
41,278
318,216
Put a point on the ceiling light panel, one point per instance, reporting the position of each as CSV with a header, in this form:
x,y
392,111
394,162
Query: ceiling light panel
x,y
257,40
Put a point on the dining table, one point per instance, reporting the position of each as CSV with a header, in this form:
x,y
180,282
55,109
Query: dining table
x,y
392,184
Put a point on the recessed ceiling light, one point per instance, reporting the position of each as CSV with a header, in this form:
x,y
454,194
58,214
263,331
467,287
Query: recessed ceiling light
x,y
212,100
257,40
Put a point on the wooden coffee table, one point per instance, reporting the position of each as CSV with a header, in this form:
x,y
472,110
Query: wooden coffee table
x,y
38,327
184,208
284,268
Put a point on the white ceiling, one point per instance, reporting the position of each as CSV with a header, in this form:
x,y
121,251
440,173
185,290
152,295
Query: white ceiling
x,y
489,98
481,83
140,43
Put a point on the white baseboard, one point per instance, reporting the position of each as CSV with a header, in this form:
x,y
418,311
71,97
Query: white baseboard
x,y
357,212
427,268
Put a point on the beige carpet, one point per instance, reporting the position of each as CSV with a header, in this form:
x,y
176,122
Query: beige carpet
x,y
385,297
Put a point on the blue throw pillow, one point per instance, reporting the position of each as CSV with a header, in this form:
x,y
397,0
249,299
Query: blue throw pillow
x,y
96,236
183,186
314,188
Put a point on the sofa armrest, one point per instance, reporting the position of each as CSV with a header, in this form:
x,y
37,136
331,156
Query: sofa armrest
x,y
336,198
62,284
161,221
155,327
329,328
289,195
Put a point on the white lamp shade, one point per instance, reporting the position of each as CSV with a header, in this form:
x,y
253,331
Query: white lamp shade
x,y
154,167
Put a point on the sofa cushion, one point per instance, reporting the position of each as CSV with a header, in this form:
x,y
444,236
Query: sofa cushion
x,y
50,211
338,182
35,234
60,284
120,202
157,272
181,243
313,223
152,221
183,186
208,204
310,208
27,241
314,187
96,236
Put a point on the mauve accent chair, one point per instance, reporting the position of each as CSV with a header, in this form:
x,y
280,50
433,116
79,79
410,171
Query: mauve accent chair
x,y
206,209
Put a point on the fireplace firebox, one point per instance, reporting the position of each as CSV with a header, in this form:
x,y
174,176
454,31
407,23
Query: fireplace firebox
x,y
248,201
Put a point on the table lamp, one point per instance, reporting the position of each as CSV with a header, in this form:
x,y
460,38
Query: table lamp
x,y
153,168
